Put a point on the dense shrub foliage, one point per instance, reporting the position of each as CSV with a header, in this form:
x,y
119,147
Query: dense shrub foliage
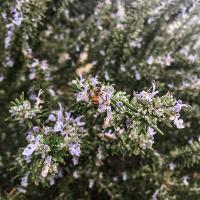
x,y
100,99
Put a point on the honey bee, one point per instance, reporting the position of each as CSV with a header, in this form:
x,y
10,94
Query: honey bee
x,y
96,94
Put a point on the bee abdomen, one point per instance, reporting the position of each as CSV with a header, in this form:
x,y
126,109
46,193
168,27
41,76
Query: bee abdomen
x,y
95,101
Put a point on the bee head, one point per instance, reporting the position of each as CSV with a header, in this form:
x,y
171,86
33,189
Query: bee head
x,y
98,85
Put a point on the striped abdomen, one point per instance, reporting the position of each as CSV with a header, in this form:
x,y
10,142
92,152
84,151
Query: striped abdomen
x,y
95,100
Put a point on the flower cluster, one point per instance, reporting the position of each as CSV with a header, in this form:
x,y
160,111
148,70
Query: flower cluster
x,y
135,121
14,21
88,91
37,67
49,142
23,110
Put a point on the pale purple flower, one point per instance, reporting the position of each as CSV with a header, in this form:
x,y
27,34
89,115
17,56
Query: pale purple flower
x,y
155,194
145,95
148,95
36,129
52,118
44,65
178,106
59,126
9,35
1,77
17,17
78,122
33,97
9,61
190,141
30,149
8,39
74,149
151,132
104,100
21,190
68,116
102,52
178,122
75,160
24,181
137,75
94,80
172,166
28,159
121,12
83,95
81,79
119,104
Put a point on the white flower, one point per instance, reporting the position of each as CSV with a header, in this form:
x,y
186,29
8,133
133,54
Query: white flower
x,y
172,166
124,176
185,180
76,174
91,183
150,60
